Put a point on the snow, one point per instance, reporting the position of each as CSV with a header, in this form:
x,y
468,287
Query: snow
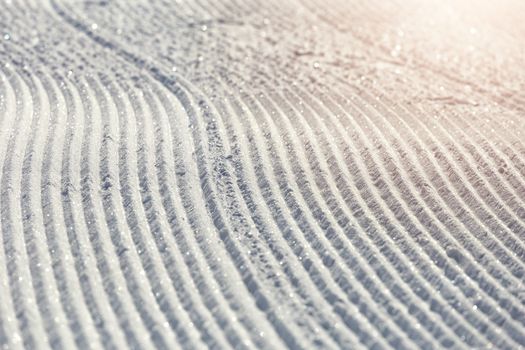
x,y
262,174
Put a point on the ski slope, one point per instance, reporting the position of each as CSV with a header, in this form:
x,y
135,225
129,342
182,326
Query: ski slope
x,y
293,174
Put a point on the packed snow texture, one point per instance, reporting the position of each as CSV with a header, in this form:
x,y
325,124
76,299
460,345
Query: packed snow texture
x,y
332,174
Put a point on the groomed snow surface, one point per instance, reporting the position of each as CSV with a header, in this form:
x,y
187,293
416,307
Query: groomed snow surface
x,y
268,174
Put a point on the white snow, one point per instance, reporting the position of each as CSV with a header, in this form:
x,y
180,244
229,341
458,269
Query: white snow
x,y
262,174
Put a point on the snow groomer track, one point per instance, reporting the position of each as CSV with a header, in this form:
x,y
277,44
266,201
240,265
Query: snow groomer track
x,y
301,174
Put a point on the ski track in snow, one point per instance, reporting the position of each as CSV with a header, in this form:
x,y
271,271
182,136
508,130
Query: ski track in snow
x,y
262,174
